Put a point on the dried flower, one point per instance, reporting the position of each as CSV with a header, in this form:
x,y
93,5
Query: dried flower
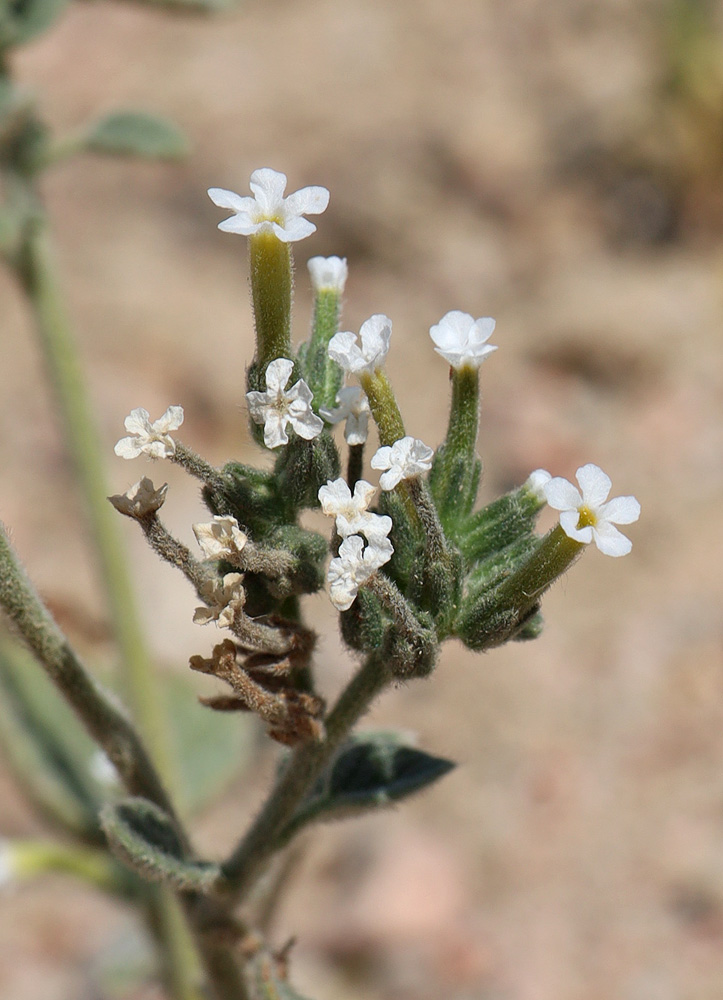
x,y
140,500
149,438
276,408
268,210
224,598
221,538
374,335
406,458
586,516
462,340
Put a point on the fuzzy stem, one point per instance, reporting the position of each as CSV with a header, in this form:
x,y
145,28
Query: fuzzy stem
x,y
37,274
464,412
271,269
247,862
324,376
355,465
107,724
383,405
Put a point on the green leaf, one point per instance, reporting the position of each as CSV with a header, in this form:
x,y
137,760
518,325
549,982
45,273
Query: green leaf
x,y
135,133
24,19
369,771
144,838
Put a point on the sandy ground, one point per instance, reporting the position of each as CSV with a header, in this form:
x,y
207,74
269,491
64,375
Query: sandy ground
x,y
480,157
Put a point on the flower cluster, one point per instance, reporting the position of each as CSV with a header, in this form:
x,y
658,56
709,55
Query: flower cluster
x,y
356,562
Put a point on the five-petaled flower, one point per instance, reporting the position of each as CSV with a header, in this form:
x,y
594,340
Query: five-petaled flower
x,y
328,274
221,538
268,210
406,458
224,598
141,499
352,514
149,438
276,408
586,517
352,568
353,406
462,340
357,359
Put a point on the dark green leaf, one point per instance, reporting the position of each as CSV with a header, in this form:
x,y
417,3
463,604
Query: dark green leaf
x,y
370,771
143,837
135,133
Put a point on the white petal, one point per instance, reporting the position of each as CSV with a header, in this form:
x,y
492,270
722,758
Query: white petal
x,y
275,429
382,459
307,201
328,273
621,510
278,374
344,350
128,447
610,541
228,199
268,185
536,483
293,229
307,426
170,421
562,495
594,484
388,480
569,520
138,421
242,225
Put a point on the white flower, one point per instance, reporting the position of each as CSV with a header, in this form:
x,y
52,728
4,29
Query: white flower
x,y
141,499
586,516
353,567
354,408
374,336
269,211
406,458
276,408
221,538
536,482
225,597
352,514
150,438
461,339
328,274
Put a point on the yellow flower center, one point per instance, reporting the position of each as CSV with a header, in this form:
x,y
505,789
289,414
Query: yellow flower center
x,y
588,518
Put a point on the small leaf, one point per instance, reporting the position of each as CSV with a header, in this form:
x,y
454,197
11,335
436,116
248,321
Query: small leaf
x,y
135,133
143,837
370,771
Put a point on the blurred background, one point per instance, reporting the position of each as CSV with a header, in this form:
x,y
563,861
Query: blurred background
x,y
558,166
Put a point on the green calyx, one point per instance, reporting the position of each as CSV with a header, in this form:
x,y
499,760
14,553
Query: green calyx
x,y
271,272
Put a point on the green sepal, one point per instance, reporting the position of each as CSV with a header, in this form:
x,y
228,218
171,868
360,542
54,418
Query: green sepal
x,y
531,629
412,656
22,20
453,483
498,525
136,133
405,565
370,771
304,466
442,591
310,550
252,497
323,376
491,572
144,838
364,625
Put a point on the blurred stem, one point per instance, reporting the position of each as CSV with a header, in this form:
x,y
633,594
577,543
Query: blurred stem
x,y
37,273
263,840
180,969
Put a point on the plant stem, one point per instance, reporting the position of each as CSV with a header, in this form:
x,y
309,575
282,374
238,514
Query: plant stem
x,y
247,862
38,277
